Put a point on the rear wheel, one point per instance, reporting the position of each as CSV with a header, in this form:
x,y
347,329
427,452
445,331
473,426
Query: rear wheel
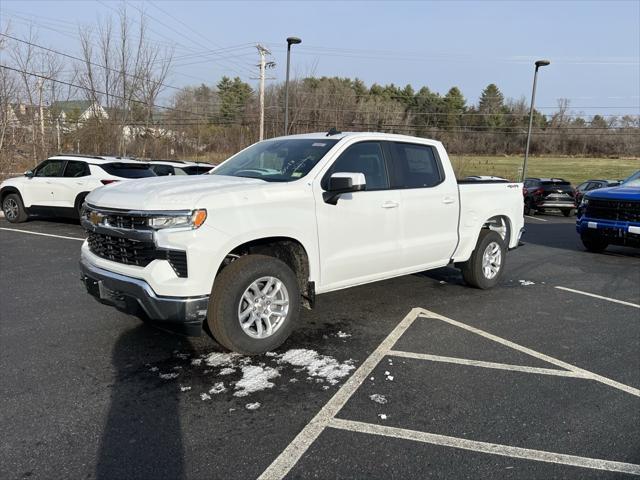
x,y
594,243
484,268
13,209
567,211
254,304
527,207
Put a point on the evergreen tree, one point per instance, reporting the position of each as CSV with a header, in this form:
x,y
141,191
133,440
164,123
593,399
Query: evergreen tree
x,y
492,105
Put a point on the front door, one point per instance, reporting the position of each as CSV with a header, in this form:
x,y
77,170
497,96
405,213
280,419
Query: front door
x,y
358,237
39,189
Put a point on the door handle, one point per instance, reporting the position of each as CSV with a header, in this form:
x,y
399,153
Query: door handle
x,y
390,204
448,200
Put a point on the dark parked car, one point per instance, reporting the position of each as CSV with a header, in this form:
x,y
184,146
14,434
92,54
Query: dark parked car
x,y
541,194
593,185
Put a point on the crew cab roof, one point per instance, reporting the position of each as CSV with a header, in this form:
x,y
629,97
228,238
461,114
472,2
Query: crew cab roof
x,y
343,135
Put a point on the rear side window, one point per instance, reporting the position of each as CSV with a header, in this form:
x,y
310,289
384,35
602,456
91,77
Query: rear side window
x,y
414,166
196,170
163,170
128,170
50,168
76,169
363,157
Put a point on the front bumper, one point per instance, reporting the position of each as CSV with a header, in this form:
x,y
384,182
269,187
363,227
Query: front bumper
x,y
126,293
556,204
615,232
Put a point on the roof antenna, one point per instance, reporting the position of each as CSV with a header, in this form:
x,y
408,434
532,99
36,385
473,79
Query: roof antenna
x,y
333,131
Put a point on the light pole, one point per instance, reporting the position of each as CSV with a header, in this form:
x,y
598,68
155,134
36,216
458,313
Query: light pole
x,y
539,63
290,41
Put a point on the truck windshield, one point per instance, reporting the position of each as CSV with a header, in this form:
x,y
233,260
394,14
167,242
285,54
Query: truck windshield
x,y
633,180
277,160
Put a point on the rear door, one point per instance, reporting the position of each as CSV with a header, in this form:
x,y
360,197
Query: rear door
x,y
72,182
429,205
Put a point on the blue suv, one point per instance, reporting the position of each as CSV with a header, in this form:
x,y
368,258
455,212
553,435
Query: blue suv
x,y
611,216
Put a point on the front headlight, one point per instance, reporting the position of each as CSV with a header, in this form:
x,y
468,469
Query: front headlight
x,y
584,202
192,220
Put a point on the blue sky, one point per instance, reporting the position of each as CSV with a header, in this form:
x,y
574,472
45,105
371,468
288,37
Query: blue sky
x,y
594,46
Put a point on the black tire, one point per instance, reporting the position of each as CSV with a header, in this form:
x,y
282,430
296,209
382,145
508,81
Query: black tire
x,y
78,204
226,298
13,209
566,211
594,243
527,208
472,270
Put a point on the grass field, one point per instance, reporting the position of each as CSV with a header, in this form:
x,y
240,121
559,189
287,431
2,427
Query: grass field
x,y
574,169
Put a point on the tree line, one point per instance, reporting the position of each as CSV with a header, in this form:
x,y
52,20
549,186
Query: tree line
x,y
114,98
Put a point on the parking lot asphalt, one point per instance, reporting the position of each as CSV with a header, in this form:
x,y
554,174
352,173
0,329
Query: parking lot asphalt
x,y
526,380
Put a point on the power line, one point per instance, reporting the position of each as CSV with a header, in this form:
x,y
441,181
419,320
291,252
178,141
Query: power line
x,y
69,84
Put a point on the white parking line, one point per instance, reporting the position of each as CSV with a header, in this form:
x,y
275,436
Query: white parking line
x,y
42,234
484,447
290,455
541,356
478,363
536,218
608,299
281,466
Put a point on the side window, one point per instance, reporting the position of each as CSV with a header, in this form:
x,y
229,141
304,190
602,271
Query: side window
x,y
179,171
50,168
76,169
363,157
582,187
162,170
415,166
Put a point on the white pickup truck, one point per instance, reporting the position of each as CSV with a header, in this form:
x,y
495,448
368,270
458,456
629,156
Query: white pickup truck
x,y
243,247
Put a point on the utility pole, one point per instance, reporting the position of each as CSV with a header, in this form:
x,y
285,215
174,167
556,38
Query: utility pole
x,y
263,66
58,132
40,87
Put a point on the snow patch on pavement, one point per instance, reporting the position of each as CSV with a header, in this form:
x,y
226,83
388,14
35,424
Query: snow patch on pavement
x,y
526,283
254,379
252,406
316,365
217,388
378,398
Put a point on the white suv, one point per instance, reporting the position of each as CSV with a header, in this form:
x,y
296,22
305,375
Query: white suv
x,y
59,185
164,168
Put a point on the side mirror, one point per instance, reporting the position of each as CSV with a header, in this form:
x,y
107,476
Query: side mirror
x,y
343,182
28,174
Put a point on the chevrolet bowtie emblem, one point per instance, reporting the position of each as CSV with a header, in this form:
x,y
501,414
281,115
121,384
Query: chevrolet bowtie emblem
x,y
96,218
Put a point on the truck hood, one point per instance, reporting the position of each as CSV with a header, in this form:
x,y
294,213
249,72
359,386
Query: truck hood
x,y
167,193
616,193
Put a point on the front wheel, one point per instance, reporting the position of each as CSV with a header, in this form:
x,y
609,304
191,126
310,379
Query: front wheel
x,y
593,243
13,209
484,268
254,304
